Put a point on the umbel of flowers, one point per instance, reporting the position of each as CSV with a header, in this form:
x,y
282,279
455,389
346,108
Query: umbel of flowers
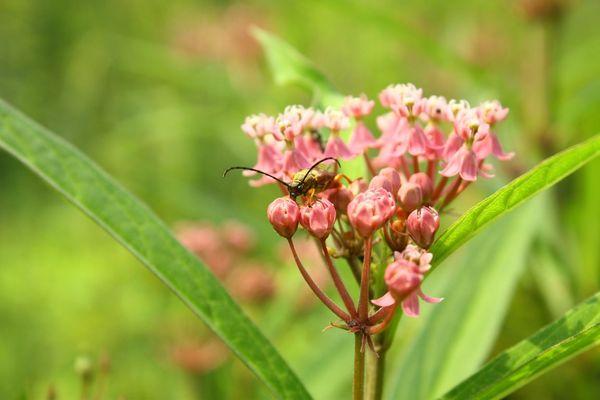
x,y
427,152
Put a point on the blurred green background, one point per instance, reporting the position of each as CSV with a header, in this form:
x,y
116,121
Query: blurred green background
x,y
155,92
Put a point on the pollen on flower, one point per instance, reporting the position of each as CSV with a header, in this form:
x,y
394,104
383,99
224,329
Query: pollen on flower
x,y
419,156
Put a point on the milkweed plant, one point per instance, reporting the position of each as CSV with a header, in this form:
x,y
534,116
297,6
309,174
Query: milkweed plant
x,y
427,152
370,200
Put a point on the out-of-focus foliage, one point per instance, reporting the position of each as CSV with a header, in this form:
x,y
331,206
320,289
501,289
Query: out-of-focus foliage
x,y
154,90
146,237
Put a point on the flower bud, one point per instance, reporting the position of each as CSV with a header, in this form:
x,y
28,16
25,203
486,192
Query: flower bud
x,y
410,196
370,210
398,239
424,182
340,197
422,225
284,215
388,178
358,186
318,218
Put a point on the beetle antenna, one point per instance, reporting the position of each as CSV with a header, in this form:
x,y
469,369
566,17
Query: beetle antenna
x,y
317,163
256,170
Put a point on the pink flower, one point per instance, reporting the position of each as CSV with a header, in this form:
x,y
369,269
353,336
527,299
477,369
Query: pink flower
x,y
403,278
436,142
369,210
390,126
456,108
492,112
337,148
422,225
335,120
269,160
401,98
434,108
309,147
284,215
361,139
318,218
293,161
257,126
410,196
290,123
463,163
357,107
417,142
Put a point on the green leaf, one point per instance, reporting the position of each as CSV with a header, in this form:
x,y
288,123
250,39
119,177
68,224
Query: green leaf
x,y
456,335
546,174
291,67
575,332
133,225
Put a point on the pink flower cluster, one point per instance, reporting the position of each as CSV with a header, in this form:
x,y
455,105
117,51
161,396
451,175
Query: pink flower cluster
x,y
428,151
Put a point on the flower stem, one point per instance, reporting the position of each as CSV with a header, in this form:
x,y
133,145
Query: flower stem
x,y
359,368
375,374
431,169
316,290
438,189
363,302
337,281
452,193
415,161
370,167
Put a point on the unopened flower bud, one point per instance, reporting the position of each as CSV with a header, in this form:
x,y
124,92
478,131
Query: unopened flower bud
x,y
370,210
397,238
422,225
410,196
318,218
358,186
284,215
388,178
340,197
424,182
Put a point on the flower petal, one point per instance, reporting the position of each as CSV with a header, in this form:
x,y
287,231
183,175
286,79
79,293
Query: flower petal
x,y
386,300
410,305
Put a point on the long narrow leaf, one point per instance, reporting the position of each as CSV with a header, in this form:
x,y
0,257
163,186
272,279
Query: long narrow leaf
x,y
577,331
289,66
143,234
516,192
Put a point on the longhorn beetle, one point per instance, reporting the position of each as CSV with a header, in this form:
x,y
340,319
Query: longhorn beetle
x,y
306,182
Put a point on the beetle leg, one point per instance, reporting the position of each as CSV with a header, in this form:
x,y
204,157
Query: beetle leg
x,y
339,177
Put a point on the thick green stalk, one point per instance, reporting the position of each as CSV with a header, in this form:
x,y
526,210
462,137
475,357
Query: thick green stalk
x,y
375,373
359,368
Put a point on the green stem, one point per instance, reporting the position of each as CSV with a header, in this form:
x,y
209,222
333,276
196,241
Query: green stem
x,y
375,374
359,368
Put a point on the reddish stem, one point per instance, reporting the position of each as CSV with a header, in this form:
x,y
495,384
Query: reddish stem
x,y
363,302
415,162
452,193
339,284
438,189
388,318
404,166
378,315
431,169
369,164
316,290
